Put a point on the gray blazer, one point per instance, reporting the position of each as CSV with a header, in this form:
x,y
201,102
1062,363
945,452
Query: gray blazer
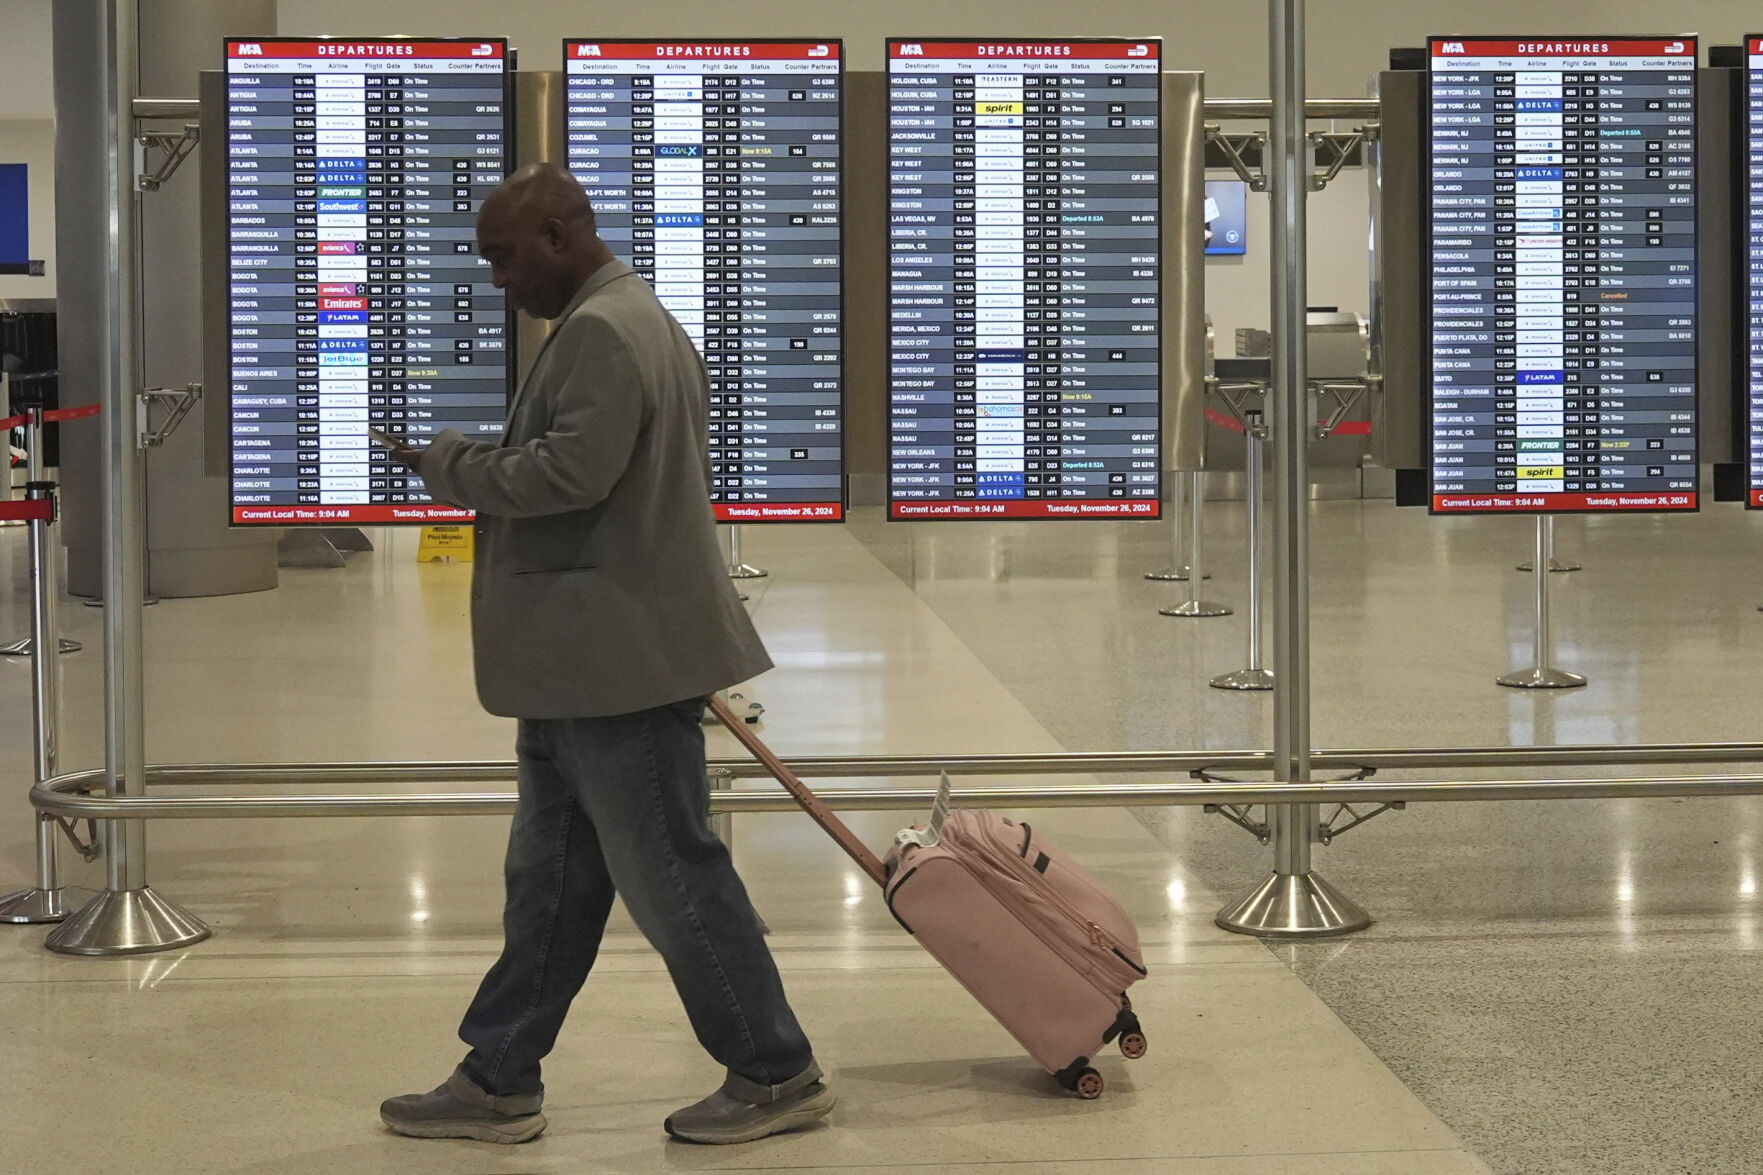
x,y
599,586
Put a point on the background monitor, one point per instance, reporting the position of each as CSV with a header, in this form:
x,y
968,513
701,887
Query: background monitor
x,y
1227,217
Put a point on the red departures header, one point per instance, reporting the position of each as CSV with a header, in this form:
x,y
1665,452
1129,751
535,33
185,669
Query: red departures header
x,y
367,50
1148,50
1684,47
701,50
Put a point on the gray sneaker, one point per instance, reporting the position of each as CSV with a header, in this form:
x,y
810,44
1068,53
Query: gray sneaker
x,y
459,1109
742,1110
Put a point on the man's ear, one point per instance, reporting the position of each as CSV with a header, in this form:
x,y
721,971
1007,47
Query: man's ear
x,y
555,232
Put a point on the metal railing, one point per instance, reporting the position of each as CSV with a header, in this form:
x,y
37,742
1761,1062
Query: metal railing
x,y
67,795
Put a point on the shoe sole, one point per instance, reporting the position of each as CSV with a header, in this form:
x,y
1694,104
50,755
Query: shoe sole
x,y
511,1133
795,1118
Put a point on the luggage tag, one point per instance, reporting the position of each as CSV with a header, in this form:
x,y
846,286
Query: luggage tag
x,y
932,832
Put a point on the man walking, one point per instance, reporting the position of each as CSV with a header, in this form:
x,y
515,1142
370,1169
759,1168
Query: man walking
x,y
602,617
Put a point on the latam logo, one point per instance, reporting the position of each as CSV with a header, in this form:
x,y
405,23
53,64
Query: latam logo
x,y
249,50
912,50
1453,47
587,50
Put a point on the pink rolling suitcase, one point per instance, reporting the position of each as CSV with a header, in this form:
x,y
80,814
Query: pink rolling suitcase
x,y
1035,939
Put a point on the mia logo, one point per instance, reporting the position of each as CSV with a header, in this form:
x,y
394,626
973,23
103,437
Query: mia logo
x,y
587,50
250,50
1454,47
912,50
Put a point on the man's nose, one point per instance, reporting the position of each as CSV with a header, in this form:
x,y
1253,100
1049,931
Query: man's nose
x,y
497,277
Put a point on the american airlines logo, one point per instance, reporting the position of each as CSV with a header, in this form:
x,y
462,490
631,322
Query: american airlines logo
x,y
1454,47
587,50
912,50
250,50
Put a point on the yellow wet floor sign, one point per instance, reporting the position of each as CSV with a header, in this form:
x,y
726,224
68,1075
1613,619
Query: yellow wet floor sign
x,y
446,544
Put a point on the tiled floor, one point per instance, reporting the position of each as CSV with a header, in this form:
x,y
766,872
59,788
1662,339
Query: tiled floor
x,y
1558,988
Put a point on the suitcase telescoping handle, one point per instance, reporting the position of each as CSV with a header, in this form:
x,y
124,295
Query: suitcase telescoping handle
x,y
811,803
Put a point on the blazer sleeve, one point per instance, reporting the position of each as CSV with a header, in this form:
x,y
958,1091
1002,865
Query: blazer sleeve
x,y
598,413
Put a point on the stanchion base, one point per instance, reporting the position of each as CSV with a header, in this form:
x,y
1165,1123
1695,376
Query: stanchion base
x,y
1244,679
42,905
1541,679
1171,575
1293,906
98,601
1200,608
746,571
127,922
1555,565
23,646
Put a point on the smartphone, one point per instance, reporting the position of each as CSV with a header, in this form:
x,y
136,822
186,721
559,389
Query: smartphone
x,y
384,438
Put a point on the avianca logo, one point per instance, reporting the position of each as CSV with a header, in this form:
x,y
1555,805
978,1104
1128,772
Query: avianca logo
x,y
587,50
250,50
912,50
1454,47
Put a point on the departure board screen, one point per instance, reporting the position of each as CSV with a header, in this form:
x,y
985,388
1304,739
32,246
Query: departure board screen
x,y
1562,219
715,167
1754,268
356,298
1024,279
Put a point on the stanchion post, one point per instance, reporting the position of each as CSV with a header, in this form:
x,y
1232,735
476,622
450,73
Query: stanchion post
x,y
1542,673
48,900
1556,563
1176,572
96,80
736,568
1294,900
50,571
1256,676
1195,606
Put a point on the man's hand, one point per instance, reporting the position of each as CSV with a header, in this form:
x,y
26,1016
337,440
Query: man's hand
x,y
407,454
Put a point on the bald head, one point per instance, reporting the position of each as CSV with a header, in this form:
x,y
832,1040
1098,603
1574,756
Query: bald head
x,y
537,232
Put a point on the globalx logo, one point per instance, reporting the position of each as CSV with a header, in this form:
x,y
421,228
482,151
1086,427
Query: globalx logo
x,y
912,50
250,50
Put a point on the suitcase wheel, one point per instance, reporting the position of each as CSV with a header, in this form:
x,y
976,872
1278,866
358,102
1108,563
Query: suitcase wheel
x,y
1133,1045
1088,1085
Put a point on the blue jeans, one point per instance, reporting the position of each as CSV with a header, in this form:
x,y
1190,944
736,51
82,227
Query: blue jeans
x,y
621,806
